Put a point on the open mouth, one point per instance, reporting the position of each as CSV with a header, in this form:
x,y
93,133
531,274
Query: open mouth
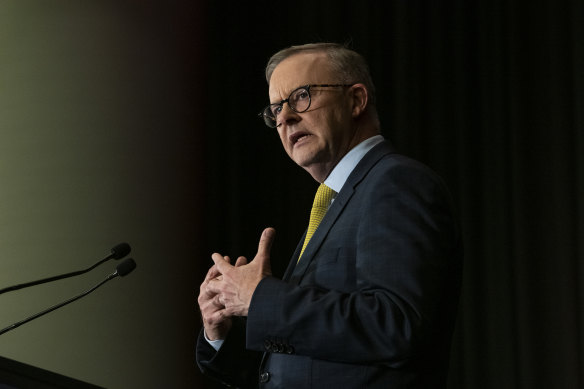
x,y
298,137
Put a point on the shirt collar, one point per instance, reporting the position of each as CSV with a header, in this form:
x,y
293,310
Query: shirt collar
x,y
341,172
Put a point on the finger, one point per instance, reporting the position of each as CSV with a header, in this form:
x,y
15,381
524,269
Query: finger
x,y
266,241
203,288
219,261
212,273
209,305
210,315
241,261
215,303
214,287
217,317
204,293
205,297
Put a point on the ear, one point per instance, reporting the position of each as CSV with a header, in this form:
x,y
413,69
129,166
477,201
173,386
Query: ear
x,y
359,99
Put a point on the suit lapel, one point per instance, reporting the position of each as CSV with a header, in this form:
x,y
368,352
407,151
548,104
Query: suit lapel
x,y
294,260
321,232
295,270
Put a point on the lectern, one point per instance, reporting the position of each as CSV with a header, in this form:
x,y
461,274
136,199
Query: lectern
x,y
17,375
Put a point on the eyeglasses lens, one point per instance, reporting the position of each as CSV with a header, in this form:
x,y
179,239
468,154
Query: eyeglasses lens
x,y
299,101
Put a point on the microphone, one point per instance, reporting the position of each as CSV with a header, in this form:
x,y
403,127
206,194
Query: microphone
x,y
119,251
122,270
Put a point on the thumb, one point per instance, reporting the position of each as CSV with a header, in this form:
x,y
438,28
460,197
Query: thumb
x,y
262,258
265,245
266,241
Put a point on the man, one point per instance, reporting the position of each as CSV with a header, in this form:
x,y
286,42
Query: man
x,y
369,298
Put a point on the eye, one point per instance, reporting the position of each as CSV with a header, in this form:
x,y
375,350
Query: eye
x,y
301,94
300,100
276,109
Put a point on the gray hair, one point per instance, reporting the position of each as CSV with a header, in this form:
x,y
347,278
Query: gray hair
x,y
349,65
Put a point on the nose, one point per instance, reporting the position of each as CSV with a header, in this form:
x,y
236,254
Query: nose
x,y
287,115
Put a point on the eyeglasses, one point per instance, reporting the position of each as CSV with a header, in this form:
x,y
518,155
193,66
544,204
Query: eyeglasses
x,y
299,101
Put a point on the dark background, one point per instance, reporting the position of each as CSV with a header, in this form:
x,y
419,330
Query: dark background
x,y
490,94
136,120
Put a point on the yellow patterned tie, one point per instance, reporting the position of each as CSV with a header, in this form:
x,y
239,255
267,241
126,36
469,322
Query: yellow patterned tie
x,y
322,200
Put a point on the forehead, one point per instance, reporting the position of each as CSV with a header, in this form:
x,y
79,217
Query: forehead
x,y
297,70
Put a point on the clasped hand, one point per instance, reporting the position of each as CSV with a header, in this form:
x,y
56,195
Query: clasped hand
x,y
227,289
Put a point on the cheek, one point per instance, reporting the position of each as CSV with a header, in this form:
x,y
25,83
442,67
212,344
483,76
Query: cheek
x,y
339,125
283,140
341,116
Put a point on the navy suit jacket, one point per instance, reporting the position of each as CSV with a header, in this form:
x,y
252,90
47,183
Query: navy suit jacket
x,y
372,302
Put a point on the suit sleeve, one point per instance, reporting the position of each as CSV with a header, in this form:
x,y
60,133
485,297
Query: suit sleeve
x,y
232,365
394,252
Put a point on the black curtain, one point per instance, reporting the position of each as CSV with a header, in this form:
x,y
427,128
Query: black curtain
x,y
488,93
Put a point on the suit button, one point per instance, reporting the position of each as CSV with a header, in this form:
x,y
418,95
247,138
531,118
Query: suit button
x,y
264,377
289,349
268,345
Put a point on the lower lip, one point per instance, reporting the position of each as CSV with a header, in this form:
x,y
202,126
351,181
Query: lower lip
x,y
302,140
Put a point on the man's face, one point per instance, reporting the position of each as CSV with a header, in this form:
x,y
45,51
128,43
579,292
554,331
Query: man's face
x,y
318,138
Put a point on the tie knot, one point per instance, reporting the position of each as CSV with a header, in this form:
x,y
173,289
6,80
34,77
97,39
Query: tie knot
x,y
323,197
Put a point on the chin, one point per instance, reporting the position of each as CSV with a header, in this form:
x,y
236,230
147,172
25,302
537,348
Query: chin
x,y
304,161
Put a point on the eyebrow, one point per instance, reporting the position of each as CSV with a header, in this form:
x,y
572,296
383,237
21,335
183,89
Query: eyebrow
x,y
289,93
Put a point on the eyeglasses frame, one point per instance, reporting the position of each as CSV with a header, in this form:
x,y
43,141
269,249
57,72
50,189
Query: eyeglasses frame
x,y
281,103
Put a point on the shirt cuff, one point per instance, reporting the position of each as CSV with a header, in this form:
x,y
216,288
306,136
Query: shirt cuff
x,y
216,344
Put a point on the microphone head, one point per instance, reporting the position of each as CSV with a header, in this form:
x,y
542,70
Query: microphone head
x,y
126,267
119,251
